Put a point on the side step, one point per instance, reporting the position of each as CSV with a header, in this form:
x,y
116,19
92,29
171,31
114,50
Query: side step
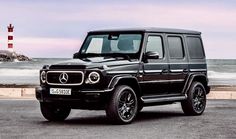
x,y
162,99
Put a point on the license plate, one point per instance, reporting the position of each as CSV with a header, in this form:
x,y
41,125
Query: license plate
x,y
60,91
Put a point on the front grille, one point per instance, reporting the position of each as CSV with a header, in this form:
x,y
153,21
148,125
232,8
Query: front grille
x,y
73,78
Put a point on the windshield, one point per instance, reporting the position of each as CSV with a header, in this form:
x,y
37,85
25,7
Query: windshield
x,y
108,44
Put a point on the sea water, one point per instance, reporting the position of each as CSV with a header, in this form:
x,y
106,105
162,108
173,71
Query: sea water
x,y
220,71
24,72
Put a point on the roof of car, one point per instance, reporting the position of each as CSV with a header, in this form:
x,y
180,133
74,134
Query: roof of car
x,y
150,29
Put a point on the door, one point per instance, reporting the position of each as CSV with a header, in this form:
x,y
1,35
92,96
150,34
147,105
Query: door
x,y
178,63
155,71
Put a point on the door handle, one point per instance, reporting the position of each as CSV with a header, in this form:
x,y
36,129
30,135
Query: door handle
x,y
165,71
185,70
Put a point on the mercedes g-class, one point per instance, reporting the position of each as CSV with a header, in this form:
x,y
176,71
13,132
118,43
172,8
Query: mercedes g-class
x,y
121,71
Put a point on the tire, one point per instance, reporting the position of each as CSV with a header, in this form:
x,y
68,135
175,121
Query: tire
x,y
140,107
123,105
54,113
196,100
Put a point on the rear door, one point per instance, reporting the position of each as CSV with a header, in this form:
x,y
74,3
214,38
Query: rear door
x,y
178,63
155,71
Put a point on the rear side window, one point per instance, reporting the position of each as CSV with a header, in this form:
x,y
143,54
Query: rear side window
x,y
195,48
175,47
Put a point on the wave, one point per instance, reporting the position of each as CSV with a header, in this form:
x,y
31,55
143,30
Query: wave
x,y
221,75
18,72
221,78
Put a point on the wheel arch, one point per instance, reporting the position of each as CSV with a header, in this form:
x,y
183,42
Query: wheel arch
x,y
202,78
126,80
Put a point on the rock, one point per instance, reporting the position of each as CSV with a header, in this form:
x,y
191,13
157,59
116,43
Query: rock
x,y
23,58
7,56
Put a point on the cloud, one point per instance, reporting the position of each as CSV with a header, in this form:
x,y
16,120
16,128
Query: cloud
x,y
40,25
189,15
148,13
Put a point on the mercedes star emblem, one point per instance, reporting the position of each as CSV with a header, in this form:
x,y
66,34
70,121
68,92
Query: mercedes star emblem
x,y
63,78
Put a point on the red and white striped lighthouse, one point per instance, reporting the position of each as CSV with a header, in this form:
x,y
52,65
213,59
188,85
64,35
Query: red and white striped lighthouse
x,y
10,38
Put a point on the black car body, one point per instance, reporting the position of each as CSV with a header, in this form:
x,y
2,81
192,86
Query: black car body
x,y
141,67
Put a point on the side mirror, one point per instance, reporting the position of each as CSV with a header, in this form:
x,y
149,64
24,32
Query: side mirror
x,y
152,55
76,55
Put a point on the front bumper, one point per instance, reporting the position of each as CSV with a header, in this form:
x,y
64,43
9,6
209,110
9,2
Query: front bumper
x,y
82,99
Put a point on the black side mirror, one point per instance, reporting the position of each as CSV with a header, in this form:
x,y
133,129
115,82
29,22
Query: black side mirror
x,y
152,55
76,55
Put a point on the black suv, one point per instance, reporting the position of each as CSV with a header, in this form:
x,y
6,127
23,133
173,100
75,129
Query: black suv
x,y
124,70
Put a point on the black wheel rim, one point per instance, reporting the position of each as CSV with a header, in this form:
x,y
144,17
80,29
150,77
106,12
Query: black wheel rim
x,y
57,110
127,105
199,99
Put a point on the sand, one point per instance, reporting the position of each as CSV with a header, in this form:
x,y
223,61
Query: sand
x,y
28,92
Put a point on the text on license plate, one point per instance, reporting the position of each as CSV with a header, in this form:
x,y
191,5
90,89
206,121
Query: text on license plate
x,y
60,91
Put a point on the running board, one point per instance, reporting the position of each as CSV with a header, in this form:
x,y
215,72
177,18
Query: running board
x,y
163,99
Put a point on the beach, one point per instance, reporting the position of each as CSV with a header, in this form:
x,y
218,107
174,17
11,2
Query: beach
x,y
28,92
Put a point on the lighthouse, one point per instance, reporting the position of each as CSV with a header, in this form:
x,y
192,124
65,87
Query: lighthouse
x,y
10,38
10,55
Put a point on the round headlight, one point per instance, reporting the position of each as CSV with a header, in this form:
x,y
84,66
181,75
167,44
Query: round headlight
x,y
94,77
43,76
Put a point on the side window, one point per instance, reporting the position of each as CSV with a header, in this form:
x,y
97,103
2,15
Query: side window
x,y
175,47
155,44
195,48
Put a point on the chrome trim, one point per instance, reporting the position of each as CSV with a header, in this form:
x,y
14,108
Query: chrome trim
x,y
89,77
43,81
122,72
198,70
150,64
177,80
155,81
152,71
162,81
112,80
63,78
176,70
125,65
97,91
82,80
186,82
140,71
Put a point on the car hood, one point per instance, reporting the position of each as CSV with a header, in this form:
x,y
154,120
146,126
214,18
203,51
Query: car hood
x,y
93,63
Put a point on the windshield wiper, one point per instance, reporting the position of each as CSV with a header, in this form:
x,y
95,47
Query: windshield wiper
x,y
115,55
85,55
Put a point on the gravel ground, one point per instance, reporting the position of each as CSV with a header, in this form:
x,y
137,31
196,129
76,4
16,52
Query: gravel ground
x,y
22,119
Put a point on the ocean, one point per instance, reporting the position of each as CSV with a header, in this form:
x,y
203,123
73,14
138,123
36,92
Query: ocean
x,y
220,71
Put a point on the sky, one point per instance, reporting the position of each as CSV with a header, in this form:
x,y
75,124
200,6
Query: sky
x,y
56,28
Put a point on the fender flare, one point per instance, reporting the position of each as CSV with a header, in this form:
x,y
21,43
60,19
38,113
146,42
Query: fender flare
x,y
191,78
116,79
